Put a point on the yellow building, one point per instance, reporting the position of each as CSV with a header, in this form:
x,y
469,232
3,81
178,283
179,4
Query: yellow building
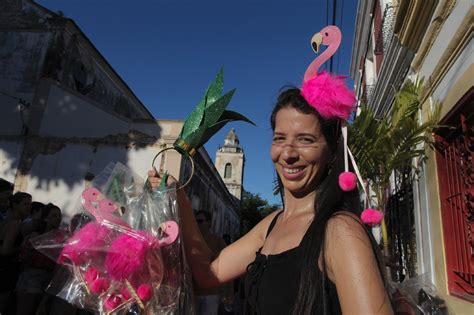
x,y
396,40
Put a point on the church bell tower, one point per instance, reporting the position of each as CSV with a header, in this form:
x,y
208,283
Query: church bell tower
x,y
230,160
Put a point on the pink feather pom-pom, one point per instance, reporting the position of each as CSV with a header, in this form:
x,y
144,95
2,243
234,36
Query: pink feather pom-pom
x,y
126,255
91,274
347,181
99,285
144,292
371,216
329,95
85,243
112,302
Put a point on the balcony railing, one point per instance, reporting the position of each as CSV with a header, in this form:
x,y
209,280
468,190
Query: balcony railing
x,y
369,92
385,35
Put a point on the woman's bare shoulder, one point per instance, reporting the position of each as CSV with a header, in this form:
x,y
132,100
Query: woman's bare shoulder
x,y
353,266
344,224
346,236
264,224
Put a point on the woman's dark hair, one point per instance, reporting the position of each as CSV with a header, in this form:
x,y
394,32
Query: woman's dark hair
x,y
36,206
206,214
45,211
5,186
18,197
330,200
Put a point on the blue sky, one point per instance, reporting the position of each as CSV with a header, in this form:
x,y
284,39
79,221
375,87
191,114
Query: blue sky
x,y
169,50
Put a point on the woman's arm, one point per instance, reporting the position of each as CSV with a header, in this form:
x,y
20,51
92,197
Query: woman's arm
x,y
352,266
231,262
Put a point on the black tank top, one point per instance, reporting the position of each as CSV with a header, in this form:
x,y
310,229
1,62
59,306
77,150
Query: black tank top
x,y
272,282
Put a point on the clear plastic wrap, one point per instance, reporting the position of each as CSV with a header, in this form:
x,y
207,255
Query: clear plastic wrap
x,y
417,296
122,253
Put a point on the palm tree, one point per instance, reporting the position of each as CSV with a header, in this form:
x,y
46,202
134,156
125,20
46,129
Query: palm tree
x,y
386,144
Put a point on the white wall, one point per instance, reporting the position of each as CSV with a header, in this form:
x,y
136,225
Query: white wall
x,y
10,152
450,26
59,177
69,115
57,173
464,61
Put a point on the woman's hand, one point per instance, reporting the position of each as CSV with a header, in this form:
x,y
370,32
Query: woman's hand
x,y
154,178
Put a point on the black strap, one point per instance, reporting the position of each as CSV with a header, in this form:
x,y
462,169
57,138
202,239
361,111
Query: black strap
x,y
272,224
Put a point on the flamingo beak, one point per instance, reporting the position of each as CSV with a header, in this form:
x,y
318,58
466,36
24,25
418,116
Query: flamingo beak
x,y
316,41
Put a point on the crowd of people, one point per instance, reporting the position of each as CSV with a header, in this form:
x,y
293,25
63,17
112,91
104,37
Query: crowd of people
x,y
25,272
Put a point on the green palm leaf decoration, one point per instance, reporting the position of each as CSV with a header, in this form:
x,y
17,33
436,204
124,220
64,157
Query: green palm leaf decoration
x,y
208,117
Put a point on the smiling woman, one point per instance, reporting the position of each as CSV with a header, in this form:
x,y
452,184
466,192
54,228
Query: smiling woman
x,y
315,256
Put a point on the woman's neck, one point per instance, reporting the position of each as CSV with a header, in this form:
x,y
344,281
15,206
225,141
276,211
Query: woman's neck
x,y
295,204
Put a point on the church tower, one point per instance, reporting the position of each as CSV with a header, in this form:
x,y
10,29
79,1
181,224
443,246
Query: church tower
x,y
230,162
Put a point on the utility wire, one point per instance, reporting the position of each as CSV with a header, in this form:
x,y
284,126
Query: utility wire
x,y
11,96
327,23
340,25
21,106
334,11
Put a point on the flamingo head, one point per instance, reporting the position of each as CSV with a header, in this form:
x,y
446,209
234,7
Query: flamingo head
x,y
329,35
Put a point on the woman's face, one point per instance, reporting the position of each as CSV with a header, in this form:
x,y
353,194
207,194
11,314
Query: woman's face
x,y
53,219
23,208
299,150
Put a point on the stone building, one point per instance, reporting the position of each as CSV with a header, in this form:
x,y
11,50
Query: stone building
x,y
66,113
399,39
230,161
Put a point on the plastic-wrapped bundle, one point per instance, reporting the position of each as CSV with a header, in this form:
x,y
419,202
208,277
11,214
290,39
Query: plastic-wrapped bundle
x,y
128,257
417,296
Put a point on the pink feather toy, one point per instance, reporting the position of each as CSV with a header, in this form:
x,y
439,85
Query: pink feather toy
x,y
85,244
329,95
134,258
127,254
116,263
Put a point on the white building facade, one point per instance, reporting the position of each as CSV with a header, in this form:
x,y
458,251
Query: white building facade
x,y
396,40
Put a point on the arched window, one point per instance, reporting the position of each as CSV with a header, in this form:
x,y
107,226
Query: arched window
x,y
228,170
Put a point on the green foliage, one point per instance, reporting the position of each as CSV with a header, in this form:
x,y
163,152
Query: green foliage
x,y
253,209
383,145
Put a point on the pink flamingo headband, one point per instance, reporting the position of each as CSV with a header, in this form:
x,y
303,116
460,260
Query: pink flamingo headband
x,y
330,97
328,94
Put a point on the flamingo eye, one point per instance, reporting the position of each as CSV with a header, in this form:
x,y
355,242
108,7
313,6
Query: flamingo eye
x,y
326,33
